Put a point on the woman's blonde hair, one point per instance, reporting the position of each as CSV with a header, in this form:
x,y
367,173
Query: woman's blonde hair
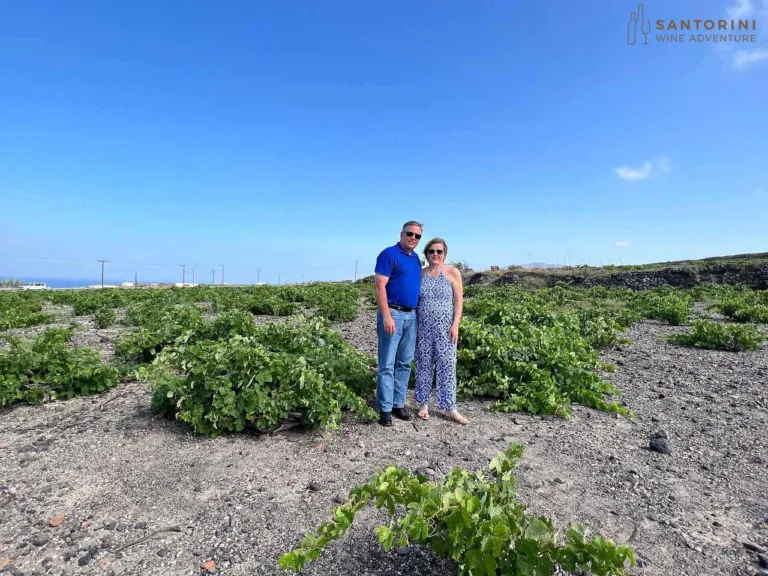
x,y
436,241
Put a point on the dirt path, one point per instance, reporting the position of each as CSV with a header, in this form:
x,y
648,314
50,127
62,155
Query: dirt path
x,y
117,473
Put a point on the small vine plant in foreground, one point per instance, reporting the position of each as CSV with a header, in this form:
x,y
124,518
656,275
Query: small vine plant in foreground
x,y
473,519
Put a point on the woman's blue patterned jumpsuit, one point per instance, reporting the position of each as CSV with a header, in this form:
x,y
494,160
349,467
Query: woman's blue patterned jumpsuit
x,y
434,349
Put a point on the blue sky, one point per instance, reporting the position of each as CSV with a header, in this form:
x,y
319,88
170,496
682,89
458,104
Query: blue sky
x,y
296,138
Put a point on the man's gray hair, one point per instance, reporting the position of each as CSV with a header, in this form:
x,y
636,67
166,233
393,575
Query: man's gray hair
x,y
412,223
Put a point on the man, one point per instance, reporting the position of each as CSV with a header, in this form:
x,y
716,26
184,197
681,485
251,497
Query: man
x,y
398,279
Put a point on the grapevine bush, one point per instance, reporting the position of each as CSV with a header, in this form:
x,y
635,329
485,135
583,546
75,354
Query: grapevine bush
x,y
22,310
260,376
520,348
473,520
663,304
718,336
104,317
745,307
47,369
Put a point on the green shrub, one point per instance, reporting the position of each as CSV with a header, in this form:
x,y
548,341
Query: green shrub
x,y
473,520
226,385
20,310
718,336
47,369
745,307
533,354
672,307
104,317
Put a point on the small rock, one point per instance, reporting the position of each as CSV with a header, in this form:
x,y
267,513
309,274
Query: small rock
x,y
763,559
140,526
402,551
26,449
92,545
111,526
41,539
660,445
120,527
162,552
56,520
340,498
369,454
314,486
83,560
559,481
429,471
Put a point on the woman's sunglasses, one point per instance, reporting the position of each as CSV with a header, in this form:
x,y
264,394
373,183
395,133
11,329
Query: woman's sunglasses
x,y
413,234
433,251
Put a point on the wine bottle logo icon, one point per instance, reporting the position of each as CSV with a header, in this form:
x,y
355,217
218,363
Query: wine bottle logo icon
x,y
645,25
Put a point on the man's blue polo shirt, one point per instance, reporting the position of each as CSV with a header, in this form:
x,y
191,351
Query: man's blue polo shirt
x,y
404,273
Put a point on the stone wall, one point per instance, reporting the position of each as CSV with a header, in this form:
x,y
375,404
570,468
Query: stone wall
x,y
754,275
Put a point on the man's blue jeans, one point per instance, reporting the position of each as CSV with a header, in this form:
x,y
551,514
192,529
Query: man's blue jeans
x,y
395,355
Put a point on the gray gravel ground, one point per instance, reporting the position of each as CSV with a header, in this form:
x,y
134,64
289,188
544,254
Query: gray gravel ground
x,y
117,474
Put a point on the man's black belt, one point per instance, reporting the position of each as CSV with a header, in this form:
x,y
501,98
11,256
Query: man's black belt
x,y
401,308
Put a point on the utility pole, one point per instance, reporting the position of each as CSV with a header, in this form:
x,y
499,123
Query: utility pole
x,y
135,279
222,273
183,274
102,271
355,270
213,278
257,277
193,276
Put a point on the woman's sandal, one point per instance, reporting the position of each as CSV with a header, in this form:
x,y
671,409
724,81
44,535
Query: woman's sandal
x,y
423,413
456,417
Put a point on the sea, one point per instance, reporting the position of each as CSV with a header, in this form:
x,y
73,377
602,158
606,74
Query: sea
x,y
71,282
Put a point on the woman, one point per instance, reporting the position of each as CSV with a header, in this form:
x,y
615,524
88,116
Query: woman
x,y
439,313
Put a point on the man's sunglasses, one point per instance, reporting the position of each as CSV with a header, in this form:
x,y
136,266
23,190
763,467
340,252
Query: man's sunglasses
x,y
413,234
433,251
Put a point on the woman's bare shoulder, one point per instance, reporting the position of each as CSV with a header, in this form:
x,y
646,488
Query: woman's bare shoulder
x,y
452,272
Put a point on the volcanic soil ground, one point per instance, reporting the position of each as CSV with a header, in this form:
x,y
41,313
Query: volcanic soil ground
x,y
101,485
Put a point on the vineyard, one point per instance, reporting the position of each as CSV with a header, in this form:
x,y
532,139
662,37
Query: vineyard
x,y
227,430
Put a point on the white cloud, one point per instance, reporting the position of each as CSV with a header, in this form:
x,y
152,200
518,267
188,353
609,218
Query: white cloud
x,y
745,58
623,243
742,9
627,173
645,171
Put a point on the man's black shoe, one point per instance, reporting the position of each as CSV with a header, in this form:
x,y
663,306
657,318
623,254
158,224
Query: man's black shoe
x,y
385,418
401,413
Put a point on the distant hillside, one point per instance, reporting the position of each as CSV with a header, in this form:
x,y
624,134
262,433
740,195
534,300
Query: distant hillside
x,y
748,269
